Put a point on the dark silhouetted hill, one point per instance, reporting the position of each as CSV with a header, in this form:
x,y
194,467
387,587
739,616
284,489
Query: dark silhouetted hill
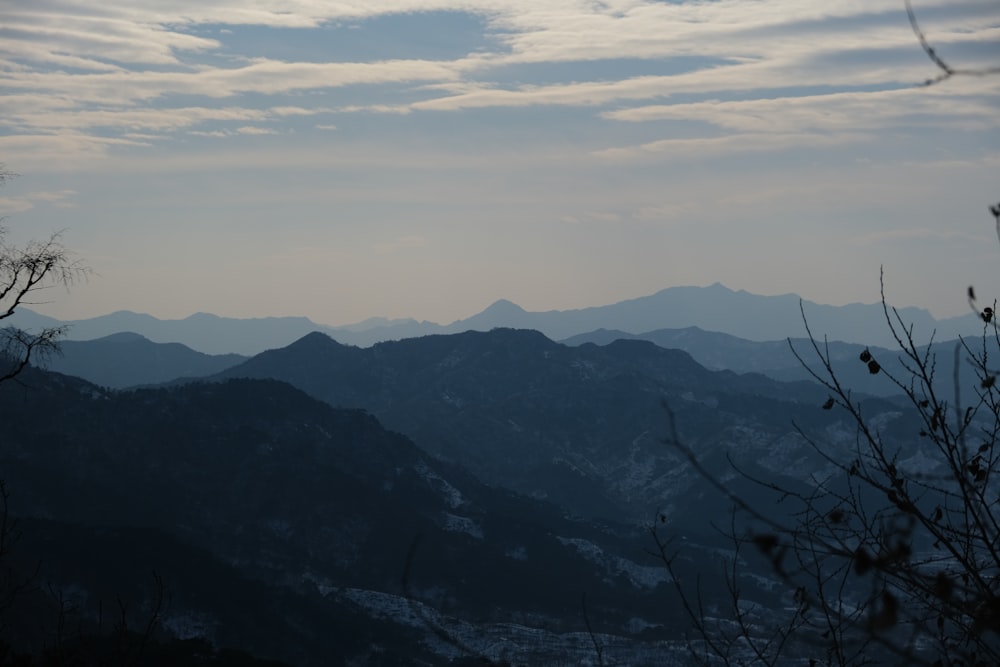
x,y
777,360
299,531
129,359
581,426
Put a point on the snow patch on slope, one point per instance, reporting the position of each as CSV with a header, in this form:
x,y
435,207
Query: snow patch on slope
x,y
451,495
640,576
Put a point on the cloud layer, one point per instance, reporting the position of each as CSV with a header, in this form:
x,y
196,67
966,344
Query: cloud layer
x,y
436,138
70,68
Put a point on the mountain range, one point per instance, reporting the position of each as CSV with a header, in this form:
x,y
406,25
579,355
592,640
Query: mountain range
x,y
583,427
797,359
305,533
450,498
713,308
481,496
128,359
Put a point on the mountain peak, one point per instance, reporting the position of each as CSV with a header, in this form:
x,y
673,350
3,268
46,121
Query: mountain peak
x,y
503,307
315,338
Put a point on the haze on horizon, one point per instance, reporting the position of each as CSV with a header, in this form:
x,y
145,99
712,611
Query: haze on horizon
x,y
424,158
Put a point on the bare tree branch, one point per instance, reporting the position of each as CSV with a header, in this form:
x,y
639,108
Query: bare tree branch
x,y
26,270
947,71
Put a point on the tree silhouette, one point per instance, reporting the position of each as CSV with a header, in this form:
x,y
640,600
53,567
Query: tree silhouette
x,y
881,560
946,70
884,559
24,271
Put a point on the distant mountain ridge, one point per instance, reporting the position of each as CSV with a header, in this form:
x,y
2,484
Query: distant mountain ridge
x,y
777,359
579,426
204,332
713,308
128,359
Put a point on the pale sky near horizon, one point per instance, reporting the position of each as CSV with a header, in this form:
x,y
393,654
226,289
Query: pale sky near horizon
x,y
423,158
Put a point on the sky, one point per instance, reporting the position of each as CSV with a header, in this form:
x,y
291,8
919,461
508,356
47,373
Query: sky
x,y
423,158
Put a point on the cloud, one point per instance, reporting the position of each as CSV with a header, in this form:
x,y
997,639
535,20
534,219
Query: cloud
x,y
66,151
400,109
736,76
263,76
9,205
252,130
160,119
71,69
969,108
46,31
701,148
211,133
26,202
